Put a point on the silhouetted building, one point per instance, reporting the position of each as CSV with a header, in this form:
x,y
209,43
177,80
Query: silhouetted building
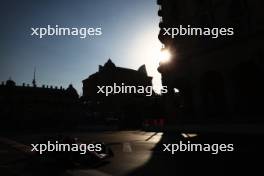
x,y
218,79
129,107
109,74
34,107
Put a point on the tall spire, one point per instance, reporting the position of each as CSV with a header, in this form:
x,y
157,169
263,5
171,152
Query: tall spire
x,y
34,78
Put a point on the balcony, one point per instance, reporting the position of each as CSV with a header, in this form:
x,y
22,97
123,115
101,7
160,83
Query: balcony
x,y
163,38
160,12
161,24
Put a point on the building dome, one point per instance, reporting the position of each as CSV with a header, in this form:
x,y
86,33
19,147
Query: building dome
x,y
72,91
109,64
142,69
10,83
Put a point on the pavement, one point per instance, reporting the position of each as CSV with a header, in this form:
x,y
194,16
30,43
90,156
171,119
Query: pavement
x,y
137,153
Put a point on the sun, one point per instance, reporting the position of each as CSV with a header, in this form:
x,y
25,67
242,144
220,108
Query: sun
x,y
164,56
146,49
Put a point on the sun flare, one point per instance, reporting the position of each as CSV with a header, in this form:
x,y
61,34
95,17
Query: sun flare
x,y
147,50
164,56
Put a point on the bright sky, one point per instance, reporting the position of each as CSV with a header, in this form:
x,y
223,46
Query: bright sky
x,y
130,38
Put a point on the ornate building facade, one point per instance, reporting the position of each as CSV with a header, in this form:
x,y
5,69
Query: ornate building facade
x,y
219,80
109,74
129,109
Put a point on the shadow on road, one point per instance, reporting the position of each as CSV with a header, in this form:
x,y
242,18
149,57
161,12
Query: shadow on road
x,y
246,156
